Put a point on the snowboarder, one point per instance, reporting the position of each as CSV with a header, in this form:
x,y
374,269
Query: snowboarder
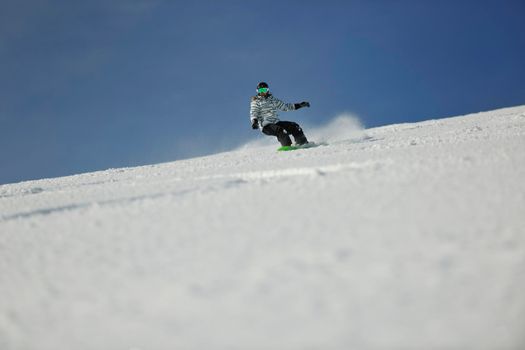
x,y
263,115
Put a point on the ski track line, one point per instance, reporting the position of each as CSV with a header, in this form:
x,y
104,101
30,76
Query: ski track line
x,y
304,171
70,207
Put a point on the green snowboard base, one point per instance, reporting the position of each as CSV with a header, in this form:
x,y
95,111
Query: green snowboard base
x,y
287,148
293,148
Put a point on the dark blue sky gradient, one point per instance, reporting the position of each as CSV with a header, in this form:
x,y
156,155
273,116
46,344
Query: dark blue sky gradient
x,y
90,85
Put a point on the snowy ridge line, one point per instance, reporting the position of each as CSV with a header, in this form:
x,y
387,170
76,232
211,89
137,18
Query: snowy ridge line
x,y
15,190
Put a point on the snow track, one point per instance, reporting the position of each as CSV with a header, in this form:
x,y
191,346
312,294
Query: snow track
x,y
406,236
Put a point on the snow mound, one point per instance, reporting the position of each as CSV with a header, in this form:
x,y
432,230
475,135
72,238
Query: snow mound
x,y
407,236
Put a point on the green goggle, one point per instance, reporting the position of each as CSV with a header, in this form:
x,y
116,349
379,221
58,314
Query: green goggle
x,y
263,90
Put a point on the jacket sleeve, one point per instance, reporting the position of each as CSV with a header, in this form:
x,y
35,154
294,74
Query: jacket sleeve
x,y
254,110
283,106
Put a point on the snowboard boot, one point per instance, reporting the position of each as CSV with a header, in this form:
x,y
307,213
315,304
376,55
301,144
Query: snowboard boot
x,y
300,140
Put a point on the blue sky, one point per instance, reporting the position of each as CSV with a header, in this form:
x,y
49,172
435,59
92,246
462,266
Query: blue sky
x,y
91,85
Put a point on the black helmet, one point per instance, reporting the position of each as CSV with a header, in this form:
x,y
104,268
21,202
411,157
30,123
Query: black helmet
x,y
262,87
262,84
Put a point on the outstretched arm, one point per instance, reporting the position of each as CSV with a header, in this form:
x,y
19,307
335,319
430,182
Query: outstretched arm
x,y
285,107
290,106
301,105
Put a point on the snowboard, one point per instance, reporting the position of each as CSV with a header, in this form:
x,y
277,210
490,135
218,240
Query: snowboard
x,y
296,147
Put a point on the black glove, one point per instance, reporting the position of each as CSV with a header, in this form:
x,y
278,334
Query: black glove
x,y
301,105
255,124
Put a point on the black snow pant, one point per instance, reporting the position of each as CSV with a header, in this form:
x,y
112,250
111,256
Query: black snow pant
x,y
283,129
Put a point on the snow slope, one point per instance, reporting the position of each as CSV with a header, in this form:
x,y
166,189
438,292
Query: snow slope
x,y
406,236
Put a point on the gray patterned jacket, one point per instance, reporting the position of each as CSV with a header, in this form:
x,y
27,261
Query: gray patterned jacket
x,y
264,109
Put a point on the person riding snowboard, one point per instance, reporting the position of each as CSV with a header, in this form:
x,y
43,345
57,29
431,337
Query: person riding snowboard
x,y
263,115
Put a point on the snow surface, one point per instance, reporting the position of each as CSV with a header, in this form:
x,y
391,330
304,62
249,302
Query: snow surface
x,y
406,236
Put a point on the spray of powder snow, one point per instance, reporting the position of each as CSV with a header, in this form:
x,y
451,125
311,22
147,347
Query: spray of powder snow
x,y
343,127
